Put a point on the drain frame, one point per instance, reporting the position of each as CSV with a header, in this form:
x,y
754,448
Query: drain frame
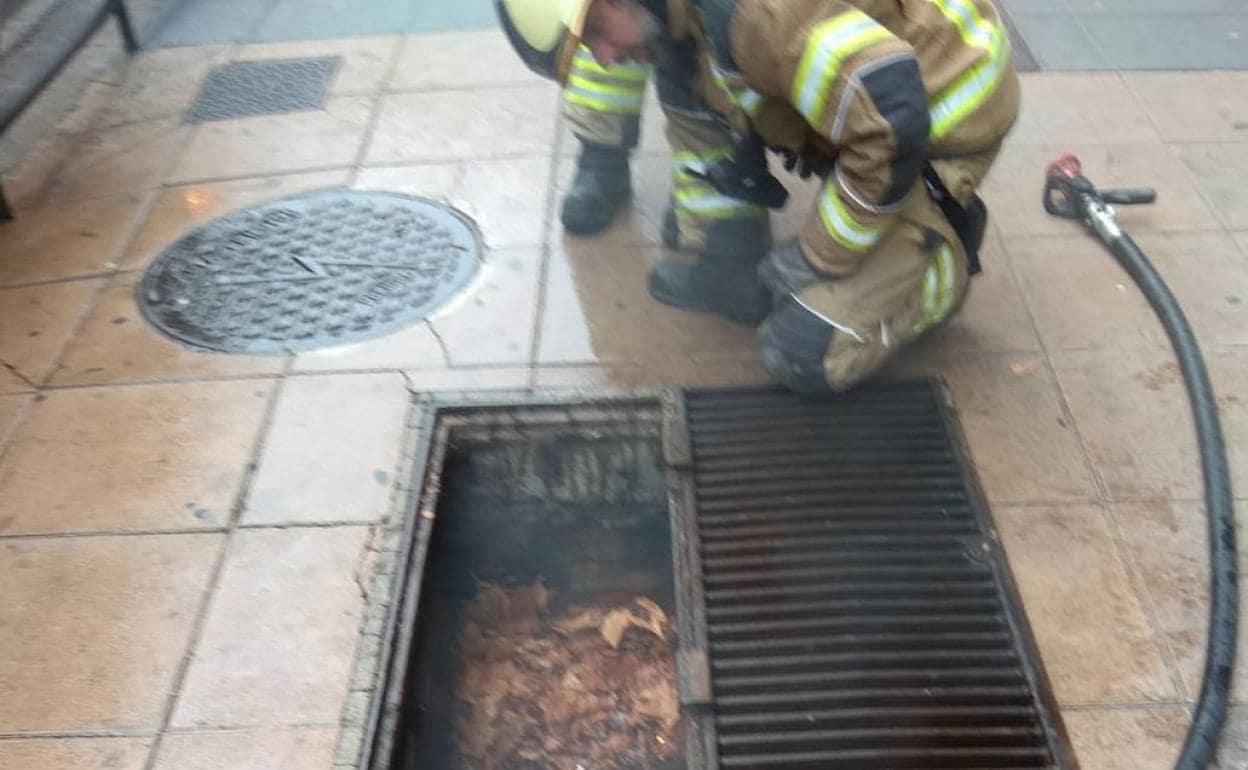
x,y
1031,662
436,416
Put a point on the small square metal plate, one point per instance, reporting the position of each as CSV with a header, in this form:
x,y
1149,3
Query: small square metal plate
x,y
245,88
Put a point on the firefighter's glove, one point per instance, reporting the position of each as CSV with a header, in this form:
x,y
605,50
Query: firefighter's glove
x,y
744,175
785,270
807,164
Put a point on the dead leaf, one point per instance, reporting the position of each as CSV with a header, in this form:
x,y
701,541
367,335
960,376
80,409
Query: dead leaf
x,y
642,613
525,602
559,690
581,621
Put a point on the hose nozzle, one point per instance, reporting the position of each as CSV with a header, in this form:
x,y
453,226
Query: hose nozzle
x,y
1071,195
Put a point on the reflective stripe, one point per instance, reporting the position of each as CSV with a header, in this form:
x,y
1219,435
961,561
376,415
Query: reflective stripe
x,y
622,92
973,88
637,73
974,30
944,259
712,205
632,86
696,198
969,92
744,97
928,309
841,225
601,97
830,44
689,156
939,290
599,103
750,101
686,161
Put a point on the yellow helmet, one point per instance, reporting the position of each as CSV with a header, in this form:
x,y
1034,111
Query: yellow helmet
x,y
545,33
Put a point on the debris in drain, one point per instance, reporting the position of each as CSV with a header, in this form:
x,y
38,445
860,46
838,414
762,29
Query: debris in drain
x,y
590,684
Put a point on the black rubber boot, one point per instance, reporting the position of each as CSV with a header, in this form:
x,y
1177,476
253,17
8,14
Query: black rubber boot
x,y
724,280
728,289
792,343
599,190
671,228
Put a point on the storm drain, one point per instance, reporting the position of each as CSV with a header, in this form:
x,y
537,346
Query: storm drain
x,y
738,579
246,88
857,611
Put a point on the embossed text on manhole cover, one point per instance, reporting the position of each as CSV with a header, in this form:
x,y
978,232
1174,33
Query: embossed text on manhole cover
x,y
310,271
243,88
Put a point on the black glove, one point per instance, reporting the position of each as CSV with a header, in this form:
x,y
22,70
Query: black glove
x,y
806,163
744,175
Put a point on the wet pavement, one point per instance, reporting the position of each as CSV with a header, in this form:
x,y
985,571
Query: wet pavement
x,y
185,537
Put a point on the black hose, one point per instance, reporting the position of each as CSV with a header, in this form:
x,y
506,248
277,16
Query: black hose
x,y
1215,689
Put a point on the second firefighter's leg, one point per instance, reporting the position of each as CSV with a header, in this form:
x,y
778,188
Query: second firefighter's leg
x,y
833,333
603,109
728,236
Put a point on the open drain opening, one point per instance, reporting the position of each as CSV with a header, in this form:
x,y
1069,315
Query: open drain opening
x,y
546,634
707,580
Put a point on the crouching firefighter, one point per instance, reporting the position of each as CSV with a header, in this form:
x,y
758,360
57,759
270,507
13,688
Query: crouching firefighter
x,y
900,106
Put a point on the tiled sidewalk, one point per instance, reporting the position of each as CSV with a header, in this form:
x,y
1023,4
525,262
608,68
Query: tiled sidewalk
x,y
1133,34
185,537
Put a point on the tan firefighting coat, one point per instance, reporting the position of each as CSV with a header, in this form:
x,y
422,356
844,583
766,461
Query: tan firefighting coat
x,y
881,86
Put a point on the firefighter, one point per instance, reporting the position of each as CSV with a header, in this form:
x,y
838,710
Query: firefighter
x,y
900,107
603,107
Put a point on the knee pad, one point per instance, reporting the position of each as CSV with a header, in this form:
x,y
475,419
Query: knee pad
x,y
792,344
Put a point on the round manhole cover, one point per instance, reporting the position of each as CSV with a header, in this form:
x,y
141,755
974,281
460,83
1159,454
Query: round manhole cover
x,y
310,271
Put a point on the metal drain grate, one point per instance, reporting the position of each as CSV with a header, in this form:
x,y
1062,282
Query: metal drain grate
x,y
857,611
245,88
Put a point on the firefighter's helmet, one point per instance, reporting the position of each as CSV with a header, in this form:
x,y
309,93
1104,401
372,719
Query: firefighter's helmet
x,y
545,33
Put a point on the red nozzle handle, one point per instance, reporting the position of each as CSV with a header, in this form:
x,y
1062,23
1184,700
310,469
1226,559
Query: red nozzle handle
x,y
1066,165
1064,186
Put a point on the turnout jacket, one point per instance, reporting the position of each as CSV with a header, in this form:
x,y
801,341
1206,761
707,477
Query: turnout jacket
x,y
878,87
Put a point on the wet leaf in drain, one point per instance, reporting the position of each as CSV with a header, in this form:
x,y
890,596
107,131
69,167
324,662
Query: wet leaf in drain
x,y
592,685
643,614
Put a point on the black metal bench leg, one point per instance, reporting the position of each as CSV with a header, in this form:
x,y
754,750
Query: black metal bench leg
x,y
127,28
5,212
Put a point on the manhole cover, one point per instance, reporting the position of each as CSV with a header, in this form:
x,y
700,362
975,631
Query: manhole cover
x,y
310,271
245,88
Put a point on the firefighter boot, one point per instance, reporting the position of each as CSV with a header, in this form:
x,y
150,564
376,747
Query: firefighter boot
x,y
724,277
671,230
599,190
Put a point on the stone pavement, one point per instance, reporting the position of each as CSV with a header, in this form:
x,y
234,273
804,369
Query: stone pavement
x,y
1133,34
186,538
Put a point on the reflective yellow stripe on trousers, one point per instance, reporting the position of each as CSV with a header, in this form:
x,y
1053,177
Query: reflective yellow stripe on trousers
x,y
696,198
972,89
939,286
618,89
